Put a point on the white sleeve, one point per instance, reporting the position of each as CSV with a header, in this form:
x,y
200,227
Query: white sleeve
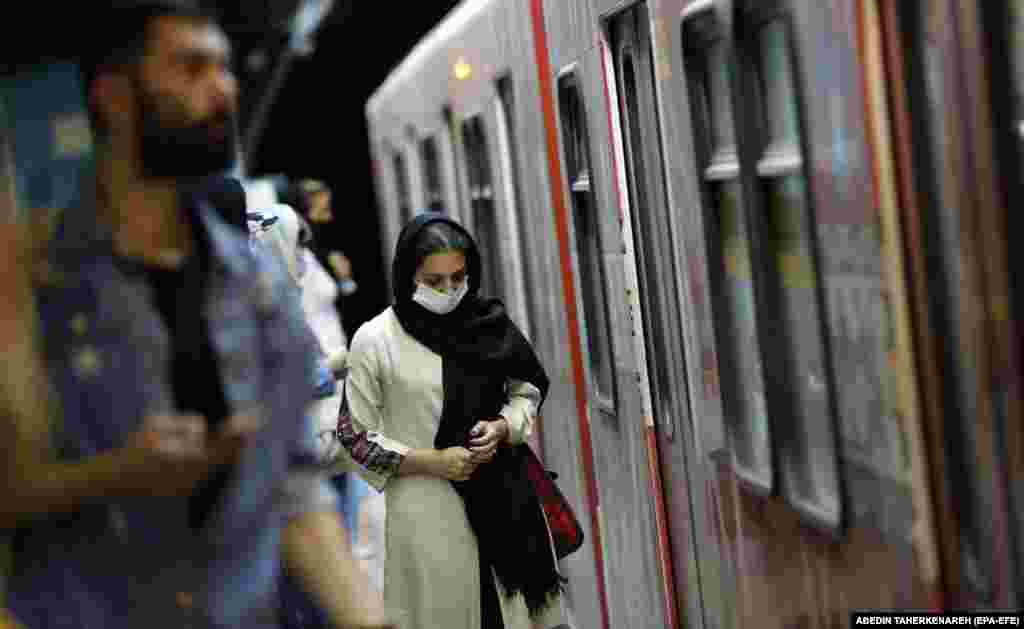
x,y
360,422
521,410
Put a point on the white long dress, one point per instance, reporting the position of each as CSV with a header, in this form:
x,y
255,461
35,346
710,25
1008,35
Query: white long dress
x,y
431,574
319,291
364,507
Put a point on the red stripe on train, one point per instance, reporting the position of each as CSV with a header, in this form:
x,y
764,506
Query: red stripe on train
x,y
568,285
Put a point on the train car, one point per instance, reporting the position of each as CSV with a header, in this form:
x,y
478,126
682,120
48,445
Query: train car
x,y
764,249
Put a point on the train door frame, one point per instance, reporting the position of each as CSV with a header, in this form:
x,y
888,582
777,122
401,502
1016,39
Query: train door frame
x,y
967,178
662,347
508,207
880,124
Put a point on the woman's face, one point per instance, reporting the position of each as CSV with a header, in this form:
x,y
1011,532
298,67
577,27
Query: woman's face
x,y
444,271
320,208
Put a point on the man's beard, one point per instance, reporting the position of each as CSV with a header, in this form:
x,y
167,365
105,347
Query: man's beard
x,y
184,151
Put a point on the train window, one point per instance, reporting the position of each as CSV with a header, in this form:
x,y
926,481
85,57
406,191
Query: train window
x,y
509,151
742,377
807,444
718,106
772,333
402,186
481,195
590,265
432,174
777,86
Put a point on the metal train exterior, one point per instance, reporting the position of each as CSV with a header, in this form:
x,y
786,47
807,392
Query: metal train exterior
x,y
765,250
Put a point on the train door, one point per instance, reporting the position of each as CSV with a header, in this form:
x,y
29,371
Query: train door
x,y
813,504
643,196
508,219
507,176
956,106
613,425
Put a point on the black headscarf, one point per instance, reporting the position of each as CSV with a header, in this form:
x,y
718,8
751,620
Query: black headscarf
x,y
481,349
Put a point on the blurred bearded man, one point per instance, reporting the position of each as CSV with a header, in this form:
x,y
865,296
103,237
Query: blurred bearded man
x,y
158,470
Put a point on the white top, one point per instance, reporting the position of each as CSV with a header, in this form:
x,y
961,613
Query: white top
x,y
319,292
396,396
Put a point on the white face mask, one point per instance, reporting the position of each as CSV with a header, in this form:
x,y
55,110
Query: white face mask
x,y
437,302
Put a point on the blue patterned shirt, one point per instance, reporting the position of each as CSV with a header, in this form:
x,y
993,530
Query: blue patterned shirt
x,y
136,563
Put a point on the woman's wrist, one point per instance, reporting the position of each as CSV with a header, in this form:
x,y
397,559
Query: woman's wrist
x,y
421,461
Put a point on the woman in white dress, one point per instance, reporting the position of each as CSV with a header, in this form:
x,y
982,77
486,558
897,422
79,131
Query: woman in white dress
x,y
363,506
442,393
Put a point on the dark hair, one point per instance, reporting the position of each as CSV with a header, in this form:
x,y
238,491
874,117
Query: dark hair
x,y
435,238
227,196
298,193
305,233
119,35
292,194
313,186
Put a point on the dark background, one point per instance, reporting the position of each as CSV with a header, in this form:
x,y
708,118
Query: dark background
x,y
317,127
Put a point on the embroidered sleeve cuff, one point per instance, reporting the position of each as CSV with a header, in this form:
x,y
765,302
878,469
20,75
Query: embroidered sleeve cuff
x,y
377,457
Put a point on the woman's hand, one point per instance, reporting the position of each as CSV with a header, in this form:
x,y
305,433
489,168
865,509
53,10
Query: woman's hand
x,y
485,438
455,464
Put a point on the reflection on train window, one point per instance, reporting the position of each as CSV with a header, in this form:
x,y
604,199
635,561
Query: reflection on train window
x,y
742,377
771,332
927,26
432,175
402,186
588,242
481,195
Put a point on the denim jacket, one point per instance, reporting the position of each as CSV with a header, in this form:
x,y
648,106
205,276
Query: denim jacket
x,y
136,563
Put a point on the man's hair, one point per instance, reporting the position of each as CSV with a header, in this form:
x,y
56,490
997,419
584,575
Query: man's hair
x,y
313,186
120,33
227,196
291,194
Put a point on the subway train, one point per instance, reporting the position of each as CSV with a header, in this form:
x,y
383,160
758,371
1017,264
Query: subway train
x,y
764,249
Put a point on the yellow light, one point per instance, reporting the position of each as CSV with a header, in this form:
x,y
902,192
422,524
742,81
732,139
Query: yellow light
x,y
463,70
